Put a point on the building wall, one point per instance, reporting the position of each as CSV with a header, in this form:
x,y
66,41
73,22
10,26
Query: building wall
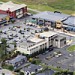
x,y
42,45
59,43
33,49
25,10
13,14
23,50
47,39
62,43
2,12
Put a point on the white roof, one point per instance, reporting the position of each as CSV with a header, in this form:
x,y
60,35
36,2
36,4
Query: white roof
x,y
36,40
48,34
10,5
7,72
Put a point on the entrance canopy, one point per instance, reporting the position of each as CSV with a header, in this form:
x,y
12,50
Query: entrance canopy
x,y
33,21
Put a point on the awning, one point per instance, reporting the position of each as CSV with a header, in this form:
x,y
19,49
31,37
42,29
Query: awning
x,y
33,21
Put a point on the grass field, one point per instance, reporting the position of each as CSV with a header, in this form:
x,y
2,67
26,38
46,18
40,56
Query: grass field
x,y
71,48
65,6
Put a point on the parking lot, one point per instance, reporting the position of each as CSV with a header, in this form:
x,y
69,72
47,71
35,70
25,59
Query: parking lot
x,y
19,31
64,60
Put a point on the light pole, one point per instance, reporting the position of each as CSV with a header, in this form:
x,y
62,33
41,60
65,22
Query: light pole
x,y
25,20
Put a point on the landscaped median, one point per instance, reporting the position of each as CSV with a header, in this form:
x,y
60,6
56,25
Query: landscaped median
x,y
71,48
58,70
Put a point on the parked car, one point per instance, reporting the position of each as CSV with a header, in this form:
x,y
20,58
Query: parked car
x,y
70,55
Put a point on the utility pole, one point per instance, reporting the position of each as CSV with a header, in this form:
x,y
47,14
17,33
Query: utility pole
x,y
25,20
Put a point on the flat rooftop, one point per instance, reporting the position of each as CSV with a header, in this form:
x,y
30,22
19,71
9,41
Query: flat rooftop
x,y
51,16
48,34
26,44
10,5
32,68
70,21
36,39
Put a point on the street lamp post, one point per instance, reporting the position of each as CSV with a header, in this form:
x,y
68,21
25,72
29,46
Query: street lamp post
x,y
25,20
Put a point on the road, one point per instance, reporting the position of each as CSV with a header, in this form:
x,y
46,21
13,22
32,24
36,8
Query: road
x,y
64,62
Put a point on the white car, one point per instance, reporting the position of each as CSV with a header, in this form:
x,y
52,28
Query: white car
x,y
55,53
70,55
57,56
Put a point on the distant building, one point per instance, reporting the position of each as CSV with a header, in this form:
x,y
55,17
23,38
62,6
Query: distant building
x,y
4,18
13,10
69,23
17,61
6,72
47,72
32,45
53,39
41,41
60,41
49,37
32,69
53,19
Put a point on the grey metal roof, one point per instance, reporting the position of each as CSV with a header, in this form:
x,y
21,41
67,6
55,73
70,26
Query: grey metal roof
x,y
48,72
70,21
51,16
32,68
17,59
3,15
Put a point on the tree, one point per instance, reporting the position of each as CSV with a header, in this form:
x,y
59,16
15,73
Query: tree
x,y
11,67
4,41
24,28
14,44
20,31
3,73
46,29
0,31
21,73
13,21
64,73
4,45
33,62
1,54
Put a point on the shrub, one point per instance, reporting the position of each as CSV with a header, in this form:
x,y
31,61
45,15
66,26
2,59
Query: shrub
x,y
11,67
0,31
21,73
13,21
